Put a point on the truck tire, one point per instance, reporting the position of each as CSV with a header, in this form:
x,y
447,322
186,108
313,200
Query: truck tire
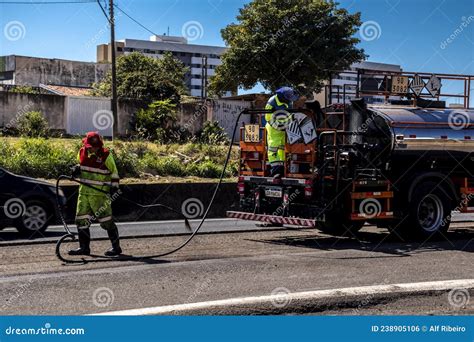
x,y
336,224
266,225
429,213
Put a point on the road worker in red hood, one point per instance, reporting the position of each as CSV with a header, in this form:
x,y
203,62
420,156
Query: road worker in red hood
x,y
97,169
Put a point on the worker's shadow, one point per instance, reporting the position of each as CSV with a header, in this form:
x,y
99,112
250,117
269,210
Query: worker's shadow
x,y
380,242
97,258
11,235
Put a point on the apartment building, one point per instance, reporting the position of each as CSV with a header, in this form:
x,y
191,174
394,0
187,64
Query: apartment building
x,y
201,59
349,79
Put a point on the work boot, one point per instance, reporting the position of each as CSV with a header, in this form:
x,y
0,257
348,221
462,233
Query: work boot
x,y
84,243
114,239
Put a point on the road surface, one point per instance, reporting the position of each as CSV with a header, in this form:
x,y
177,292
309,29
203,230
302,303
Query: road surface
x,y
227,265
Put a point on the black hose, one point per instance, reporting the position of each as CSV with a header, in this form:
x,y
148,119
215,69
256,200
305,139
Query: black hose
x,y
72,236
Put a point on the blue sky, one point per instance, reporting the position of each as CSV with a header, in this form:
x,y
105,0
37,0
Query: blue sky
x,y
413,33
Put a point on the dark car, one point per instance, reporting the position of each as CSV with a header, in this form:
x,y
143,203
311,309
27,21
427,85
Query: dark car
x,y
28,204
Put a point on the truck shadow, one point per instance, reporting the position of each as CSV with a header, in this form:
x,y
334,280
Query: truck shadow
x,y
379,243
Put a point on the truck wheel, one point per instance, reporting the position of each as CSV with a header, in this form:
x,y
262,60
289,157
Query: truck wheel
x,y
336,224
429,212
266,225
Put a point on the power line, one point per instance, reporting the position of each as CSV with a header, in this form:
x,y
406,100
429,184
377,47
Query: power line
x,y
135,21
103,10
45,2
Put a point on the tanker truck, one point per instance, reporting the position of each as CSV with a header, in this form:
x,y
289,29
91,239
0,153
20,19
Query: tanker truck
x,y
404,164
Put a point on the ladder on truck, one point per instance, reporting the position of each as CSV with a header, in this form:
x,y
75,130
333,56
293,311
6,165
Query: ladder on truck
x,y
371,199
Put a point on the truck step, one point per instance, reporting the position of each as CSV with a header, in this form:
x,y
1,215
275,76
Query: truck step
x,y
272,219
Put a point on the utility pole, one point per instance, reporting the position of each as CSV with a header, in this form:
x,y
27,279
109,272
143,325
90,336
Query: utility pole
x,y
204,77
114,69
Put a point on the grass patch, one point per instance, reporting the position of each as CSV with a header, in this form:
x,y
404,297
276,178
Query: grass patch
x,y
49,158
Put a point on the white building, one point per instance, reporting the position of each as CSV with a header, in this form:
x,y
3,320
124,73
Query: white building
x,y
200,59
350,79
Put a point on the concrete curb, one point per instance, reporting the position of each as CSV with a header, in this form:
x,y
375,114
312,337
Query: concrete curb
x,y
282,301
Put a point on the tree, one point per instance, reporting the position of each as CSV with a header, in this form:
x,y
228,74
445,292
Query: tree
x,y
157,121
281,42
145,78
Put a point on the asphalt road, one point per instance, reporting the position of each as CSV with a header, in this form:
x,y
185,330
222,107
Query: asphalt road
x,y
10,235
136,229
228,265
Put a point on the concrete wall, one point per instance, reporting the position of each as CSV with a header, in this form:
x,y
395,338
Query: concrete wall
x,y
192,115
126,110
33,71
174,196
226,111
14,105
62,113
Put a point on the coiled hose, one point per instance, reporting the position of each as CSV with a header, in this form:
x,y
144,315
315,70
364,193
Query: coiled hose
x,y
72,236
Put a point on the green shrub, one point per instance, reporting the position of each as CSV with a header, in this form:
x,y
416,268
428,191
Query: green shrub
x,y
39,158
33,124
6,153
164,166
49,158
213,134
209,169
127,159
154,122
24,90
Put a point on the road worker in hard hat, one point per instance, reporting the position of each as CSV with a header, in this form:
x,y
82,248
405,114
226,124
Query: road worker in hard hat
x,y
98,172
276,124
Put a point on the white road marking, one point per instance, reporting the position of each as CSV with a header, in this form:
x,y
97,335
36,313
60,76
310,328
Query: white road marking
x,y
307,295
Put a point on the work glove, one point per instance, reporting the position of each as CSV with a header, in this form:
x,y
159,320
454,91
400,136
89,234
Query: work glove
x,y
76,171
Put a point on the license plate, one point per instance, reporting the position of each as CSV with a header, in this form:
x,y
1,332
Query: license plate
x,y
273,192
